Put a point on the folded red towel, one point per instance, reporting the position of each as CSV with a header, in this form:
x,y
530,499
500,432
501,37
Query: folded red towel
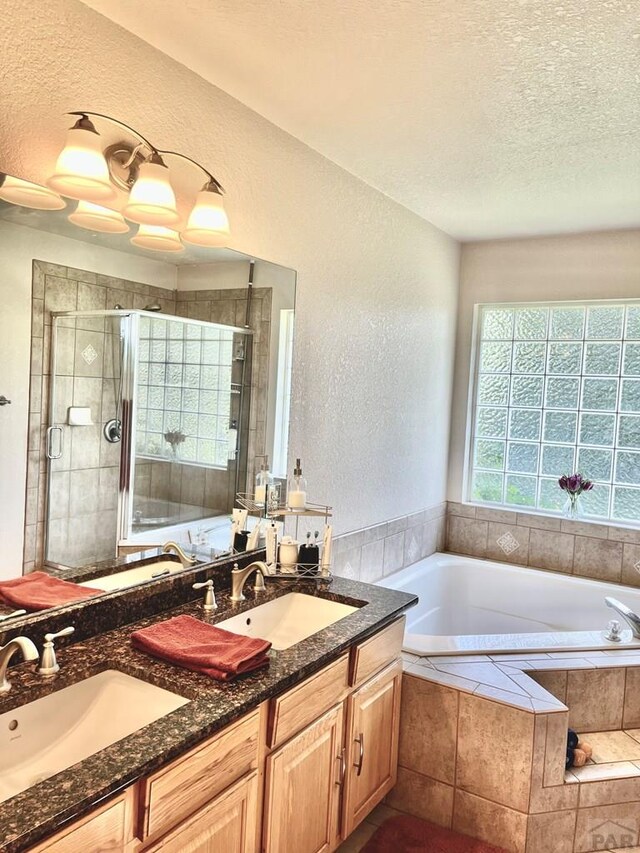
x,y
38,591
203,648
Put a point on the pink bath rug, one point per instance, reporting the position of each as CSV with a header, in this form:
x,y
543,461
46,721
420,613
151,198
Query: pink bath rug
x,y
406,834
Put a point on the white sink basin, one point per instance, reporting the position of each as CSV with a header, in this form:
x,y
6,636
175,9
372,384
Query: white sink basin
x,y
130,577
50,734
287,620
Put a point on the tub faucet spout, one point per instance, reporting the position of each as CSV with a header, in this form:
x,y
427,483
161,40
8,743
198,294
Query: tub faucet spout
x,y
631,618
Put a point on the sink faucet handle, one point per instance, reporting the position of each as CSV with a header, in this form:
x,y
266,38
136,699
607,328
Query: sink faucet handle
x,y
48,663
209,595
12,614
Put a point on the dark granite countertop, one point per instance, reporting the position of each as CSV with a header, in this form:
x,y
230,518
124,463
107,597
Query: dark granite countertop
x,y
47,806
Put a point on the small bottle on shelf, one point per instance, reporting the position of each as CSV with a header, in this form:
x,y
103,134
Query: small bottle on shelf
x,y
264,479
297,491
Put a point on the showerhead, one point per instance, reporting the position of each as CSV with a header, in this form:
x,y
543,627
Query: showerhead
x,y
153,306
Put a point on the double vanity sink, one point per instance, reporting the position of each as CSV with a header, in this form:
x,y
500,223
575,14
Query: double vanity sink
x,y
53,733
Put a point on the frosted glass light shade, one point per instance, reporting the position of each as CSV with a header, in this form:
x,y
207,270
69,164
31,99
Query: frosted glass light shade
x,y
152,200
81,170
26,194
158,238
208,223
94,217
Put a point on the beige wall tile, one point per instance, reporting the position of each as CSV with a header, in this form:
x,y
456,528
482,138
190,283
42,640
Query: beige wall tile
x,y
554,682
428,726
490,822
503,516
539,522
465,510
609,747
585,528
556,748
551,550
595,698
607,827
508,543
631,716
631,564
597,558
609,792
495,750
467,536
551,832
422,797
371,565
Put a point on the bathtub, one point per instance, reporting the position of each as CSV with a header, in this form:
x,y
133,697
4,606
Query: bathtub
x,y
470,606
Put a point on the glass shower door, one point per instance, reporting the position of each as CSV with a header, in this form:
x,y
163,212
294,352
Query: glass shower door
x,y
83,467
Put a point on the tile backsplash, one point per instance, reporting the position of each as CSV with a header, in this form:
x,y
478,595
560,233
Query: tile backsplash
x,y
598,551
375,552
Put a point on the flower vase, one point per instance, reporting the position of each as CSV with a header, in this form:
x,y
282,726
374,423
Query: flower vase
x,y
573,507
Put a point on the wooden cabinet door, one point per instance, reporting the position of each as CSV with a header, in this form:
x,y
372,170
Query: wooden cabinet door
x,y
373,721
226,825
302,794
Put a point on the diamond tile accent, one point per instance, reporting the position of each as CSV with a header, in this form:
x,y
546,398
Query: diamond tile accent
x,y
89,354
636,566
508,543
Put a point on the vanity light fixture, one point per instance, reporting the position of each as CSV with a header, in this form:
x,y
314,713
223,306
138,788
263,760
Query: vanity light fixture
x,y
92,171
208,223
94,217
158,238
28,194
81,169
152,200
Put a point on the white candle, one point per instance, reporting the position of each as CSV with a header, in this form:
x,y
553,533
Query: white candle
x,y
297,499
261,493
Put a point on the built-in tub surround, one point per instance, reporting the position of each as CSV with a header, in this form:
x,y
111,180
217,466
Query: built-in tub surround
x,y
470,606
582,548
40,810
483,742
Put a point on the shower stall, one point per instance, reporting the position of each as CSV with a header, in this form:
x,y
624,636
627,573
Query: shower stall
x,y
148,429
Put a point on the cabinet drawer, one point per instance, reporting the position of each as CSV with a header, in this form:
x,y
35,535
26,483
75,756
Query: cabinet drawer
x,y
176,791
107,830
376,652
298,707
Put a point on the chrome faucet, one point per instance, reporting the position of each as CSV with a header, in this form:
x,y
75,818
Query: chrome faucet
x,y
18,644
168,547
239,578
631,618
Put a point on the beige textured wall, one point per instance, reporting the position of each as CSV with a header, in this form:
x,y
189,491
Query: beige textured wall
x,y
377,285
603,265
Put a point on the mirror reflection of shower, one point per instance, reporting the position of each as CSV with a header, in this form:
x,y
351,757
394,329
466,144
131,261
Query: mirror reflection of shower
x,y
163,444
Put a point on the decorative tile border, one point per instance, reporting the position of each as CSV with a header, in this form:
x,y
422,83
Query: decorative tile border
x,y
599,551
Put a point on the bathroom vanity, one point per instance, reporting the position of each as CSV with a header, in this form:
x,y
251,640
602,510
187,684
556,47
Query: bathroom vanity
x,y
289,759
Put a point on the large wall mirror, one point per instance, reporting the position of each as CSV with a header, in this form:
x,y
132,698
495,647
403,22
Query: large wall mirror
x,y
159,382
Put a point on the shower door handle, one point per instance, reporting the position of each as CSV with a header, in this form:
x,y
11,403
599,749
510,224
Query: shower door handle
x,y
50,432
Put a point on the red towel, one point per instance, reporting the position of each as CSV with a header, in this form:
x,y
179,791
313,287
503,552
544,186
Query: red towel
x,y
39,591
190,643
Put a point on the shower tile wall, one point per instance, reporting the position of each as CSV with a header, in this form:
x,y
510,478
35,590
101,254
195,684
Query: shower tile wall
x,y
230,306
84,489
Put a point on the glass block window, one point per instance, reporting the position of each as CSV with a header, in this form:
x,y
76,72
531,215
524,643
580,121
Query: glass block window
x,y
557,390
184,392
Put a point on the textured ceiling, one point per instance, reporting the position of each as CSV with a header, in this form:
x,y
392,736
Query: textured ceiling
x,y
489,118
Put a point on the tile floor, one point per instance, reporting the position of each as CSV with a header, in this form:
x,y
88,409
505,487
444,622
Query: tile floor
x,y
616,755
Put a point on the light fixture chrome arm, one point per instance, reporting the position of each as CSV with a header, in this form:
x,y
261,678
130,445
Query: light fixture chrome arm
x,y
212,185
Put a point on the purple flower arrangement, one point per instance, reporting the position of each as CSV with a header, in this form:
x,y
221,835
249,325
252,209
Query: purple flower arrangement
x,y
574,485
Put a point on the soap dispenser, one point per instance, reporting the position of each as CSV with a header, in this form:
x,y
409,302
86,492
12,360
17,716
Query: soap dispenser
x,y
297,491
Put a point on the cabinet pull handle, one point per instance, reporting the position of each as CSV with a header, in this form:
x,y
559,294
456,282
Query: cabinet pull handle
x,y
360,740
343,767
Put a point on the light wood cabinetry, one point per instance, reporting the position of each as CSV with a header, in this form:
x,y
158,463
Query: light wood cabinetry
x,y
296,775
302,794
108,829
226,825
177,790
373,720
